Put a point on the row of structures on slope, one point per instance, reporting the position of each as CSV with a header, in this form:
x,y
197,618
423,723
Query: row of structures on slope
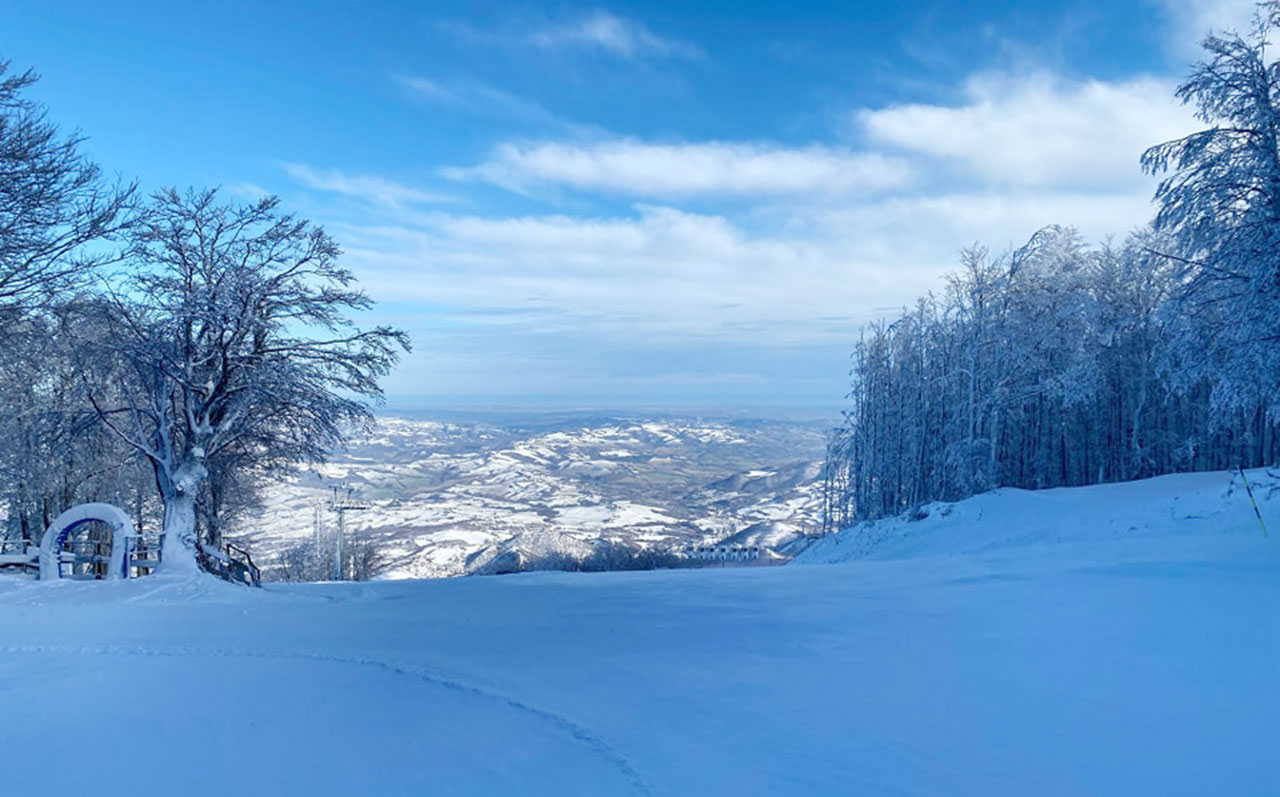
x,y
729,554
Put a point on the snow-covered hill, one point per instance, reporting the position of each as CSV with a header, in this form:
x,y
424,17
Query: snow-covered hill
x,y
446,496
1114,640
1148,511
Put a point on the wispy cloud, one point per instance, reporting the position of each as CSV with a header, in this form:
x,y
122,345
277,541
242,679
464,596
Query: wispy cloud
x,y
483,99
598,31
377,190
604,32
250,191
638,168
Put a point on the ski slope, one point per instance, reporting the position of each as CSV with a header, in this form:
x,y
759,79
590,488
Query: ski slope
x,y
1110,640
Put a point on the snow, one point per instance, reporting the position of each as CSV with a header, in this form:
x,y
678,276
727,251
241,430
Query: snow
x,y
1209,504
1109,640
767,534
583,515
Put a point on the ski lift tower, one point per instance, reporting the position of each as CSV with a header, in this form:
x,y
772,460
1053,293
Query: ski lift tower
x,y
342,501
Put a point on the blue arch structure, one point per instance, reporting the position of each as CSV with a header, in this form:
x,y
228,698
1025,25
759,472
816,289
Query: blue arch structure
x,y
73,518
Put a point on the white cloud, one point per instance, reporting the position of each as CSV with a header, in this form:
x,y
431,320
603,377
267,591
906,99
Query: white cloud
x,y
806,243
605,32
675,170
1192,19
818,238
664,273
377,190
1039,130
431,89
661,274
250,191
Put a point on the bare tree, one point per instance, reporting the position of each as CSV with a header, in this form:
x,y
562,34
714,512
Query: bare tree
x,y
53,202
234,326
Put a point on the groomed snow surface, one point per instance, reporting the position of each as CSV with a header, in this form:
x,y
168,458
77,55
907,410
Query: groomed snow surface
x,y
1122,639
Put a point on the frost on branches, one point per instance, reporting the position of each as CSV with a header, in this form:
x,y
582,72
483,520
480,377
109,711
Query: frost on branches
x,y
1220,205
233,349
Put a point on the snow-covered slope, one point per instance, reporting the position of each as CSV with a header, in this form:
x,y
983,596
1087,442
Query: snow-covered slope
x,y
775,535
1210,504
1095,660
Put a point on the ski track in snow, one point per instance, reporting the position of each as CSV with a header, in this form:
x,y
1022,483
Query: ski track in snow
x,y
577,731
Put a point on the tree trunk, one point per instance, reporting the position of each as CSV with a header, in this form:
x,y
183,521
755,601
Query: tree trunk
x,y
178,493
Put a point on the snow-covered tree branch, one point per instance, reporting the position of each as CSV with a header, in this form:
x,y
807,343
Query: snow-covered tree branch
x,y
1219,202
53,202
235,329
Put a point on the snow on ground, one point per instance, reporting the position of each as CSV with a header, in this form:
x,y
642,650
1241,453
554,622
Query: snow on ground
x,y
1133,648
583,515
1179,504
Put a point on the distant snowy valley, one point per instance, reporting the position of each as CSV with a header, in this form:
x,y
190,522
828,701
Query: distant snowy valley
x,y
447,496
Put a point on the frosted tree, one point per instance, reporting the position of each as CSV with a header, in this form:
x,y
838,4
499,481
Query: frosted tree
x,y
53,201
57,216
55,453
1046,366
1220,204
234,327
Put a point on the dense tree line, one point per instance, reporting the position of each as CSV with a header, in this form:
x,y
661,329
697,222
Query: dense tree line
x,y
162,353
1063,364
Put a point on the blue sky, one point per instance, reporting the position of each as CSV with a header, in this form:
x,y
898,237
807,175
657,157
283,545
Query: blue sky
x,y
634,204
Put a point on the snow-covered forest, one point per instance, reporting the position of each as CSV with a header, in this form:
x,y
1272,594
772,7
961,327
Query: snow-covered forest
x,y
162,352
1061,363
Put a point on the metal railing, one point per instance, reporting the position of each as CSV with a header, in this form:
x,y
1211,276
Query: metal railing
x,y
143,554
230,563
19,554
14,546
84,560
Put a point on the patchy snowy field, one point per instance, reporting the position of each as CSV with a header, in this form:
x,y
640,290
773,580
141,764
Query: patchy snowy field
x,y
999,654
447,497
